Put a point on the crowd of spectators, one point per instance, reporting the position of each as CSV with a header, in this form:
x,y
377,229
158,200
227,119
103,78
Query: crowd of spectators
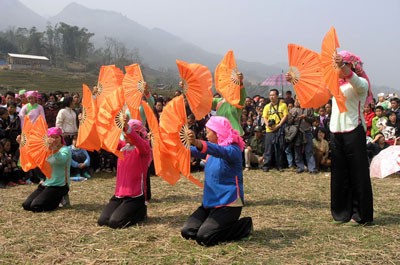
x,y
62,109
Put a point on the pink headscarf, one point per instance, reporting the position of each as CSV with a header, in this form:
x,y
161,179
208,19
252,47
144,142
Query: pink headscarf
x,y
55,131
138,127
32,93
357,65
225,133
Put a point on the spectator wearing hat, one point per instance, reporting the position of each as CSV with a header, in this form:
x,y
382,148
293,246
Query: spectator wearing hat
x,y
22,98
382,101
32,109
288,98
253,154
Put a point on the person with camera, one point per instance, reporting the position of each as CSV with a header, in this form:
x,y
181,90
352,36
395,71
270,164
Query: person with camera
x,y
275,115
303,141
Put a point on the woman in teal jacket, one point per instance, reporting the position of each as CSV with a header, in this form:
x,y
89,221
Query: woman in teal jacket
x,y
49,193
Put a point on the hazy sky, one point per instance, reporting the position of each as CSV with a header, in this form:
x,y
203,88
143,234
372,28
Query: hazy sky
x,y
259,30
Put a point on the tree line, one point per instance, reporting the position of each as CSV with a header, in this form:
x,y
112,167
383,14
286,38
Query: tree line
x,y
67,45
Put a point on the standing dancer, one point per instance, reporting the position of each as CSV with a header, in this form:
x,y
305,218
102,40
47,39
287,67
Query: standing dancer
x,y
351,191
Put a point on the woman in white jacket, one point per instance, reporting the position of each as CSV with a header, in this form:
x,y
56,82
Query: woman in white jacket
x,y
66,120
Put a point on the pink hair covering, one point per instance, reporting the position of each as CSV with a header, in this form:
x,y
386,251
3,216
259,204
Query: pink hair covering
x,y
225,133
55,131
138,127
357,65
32,93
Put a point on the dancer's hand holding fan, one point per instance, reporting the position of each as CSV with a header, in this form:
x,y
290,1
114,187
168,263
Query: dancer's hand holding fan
x,y
110,78
38,145
110,121
227,82
329,67
134,88
305,74
162,157
88,137
196,83
174,131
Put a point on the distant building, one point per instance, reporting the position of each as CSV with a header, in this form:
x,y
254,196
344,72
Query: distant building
x,y
25,61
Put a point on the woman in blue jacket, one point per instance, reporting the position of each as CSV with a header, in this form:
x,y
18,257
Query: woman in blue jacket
x,y
217,219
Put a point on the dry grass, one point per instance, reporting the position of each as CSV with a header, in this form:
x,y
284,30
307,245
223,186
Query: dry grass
x,y
290,213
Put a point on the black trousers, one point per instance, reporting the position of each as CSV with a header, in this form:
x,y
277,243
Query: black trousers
x,y
45,198
351,191
274,145
209,226
123,212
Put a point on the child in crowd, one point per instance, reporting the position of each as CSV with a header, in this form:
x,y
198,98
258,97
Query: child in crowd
x,y
80,162
14,127
4,123
248,129
392,129
378,122
321,150
9,164
128,204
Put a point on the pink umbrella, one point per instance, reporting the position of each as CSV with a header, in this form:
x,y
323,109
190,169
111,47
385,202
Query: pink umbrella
x,y
276,80
386,162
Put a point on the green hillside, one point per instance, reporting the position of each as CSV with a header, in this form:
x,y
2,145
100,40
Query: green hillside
x,y
44,81
54,79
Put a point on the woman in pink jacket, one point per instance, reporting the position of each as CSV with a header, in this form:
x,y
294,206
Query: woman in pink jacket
x,y
128,205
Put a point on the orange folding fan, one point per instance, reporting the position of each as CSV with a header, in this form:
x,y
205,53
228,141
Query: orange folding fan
x,y
163,160
226,80
329,67
110,121
174,132
39,147
197,85
305,70
88,137
134,86
110,78
25,158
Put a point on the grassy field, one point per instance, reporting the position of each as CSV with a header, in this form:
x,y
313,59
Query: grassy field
x,y
292,225
45,81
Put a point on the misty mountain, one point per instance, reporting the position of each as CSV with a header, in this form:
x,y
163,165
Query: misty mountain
x,y
158,48
15,14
